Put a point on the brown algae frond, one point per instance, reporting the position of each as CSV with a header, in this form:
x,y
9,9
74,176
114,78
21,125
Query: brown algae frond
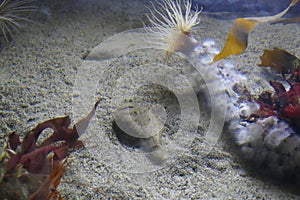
x,y
171,25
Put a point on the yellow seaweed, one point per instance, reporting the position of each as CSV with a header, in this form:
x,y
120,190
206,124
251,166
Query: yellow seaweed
x,y
237,39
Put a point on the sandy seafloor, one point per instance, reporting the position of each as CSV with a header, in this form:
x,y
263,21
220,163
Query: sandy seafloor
x,y
38,69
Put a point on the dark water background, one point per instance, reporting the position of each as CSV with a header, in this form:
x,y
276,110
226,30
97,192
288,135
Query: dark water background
x,y
246,7
234,8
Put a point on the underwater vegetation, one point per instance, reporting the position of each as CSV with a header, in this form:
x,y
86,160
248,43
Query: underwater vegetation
x,y
33,168
266,126
269,136
170,28
244,7
279,61
284,104
288,20
269,140
12,14
237,40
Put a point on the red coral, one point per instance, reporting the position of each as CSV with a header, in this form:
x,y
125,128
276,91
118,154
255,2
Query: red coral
x,y
33,157
283,104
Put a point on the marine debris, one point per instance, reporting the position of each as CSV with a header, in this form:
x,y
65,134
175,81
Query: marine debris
x,y
41,162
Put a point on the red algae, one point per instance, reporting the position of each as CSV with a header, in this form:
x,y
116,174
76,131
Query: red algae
x,y
33,170
284,104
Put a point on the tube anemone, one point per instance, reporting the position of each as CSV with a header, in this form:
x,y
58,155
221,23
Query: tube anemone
x,y
12,13
171,25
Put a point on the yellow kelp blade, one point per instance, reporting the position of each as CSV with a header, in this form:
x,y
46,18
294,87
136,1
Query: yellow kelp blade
x,y
237,39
